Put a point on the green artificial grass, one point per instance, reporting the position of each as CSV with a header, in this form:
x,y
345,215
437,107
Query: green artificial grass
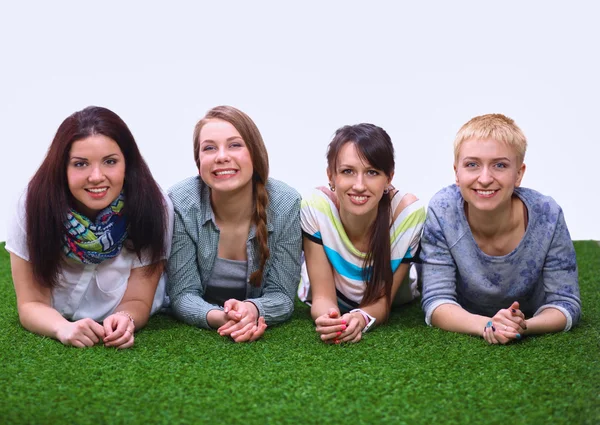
x,y
404,372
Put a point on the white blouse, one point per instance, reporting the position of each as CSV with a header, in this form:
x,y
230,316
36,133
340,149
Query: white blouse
x,y
90,290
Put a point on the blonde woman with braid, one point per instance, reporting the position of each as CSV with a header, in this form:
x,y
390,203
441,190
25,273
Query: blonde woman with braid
x,y
235,259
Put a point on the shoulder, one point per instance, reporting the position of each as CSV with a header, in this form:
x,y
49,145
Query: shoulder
x,y
447,200
405,202
533,198
186,193
542,209
282,197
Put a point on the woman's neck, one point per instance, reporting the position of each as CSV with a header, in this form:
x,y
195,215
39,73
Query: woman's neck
x,y
232,207
358,228
489,224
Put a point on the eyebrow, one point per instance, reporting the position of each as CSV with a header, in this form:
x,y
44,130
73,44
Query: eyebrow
x,y
84,158
229,139
471,158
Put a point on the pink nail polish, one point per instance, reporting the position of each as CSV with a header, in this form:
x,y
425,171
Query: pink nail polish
x,y
343,327
343,322
338,333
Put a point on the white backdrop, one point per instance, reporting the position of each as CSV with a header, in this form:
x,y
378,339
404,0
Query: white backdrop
x,y
303,69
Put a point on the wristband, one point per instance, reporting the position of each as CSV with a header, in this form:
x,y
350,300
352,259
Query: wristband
x,y
369,320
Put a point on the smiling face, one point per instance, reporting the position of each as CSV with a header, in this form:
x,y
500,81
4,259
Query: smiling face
x,y
358,185
225,161
95,173
487,171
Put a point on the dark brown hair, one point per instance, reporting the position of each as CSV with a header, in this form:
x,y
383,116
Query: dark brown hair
x,y
375,146
260,163
49,198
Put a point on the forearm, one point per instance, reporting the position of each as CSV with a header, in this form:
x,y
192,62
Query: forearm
x,y
379,310
321,306
275,307
139,311
192,309
549,320
216,318
454,318
41,319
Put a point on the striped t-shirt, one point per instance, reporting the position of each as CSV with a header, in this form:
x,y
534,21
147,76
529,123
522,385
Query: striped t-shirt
x,y
321,224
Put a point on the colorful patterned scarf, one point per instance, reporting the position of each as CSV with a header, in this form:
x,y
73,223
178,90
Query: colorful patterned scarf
x,y
92,243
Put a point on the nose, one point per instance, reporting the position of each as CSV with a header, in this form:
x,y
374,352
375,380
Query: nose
x,y
359,183
485,177
96,174
222,155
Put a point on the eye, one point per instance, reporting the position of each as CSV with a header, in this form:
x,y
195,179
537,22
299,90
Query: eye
x,y
501,165
110,161
208,148
346,171
236,145
79,164
470,165
373,173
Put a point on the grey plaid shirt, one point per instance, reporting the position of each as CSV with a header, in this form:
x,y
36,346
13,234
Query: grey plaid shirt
x,y
195,246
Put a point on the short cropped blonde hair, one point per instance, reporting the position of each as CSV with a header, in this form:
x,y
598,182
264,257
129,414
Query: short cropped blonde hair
x,y
492,126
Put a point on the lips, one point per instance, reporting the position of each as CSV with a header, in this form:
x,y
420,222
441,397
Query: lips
x,y
358,199
97,192
485,193
224,173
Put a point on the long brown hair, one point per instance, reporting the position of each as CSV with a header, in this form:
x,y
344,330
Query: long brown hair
x,y
49,198
260,163
375,146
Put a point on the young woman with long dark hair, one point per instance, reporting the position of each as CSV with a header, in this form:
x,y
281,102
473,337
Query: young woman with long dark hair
x,y
235,261
360,236
89,236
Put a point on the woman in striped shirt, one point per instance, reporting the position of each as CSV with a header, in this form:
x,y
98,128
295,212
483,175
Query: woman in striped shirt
x,y
360,237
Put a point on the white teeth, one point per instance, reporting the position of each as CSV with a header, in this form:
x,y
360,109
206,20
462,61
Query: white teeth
x,y
104,189
223,173
359,198
485,192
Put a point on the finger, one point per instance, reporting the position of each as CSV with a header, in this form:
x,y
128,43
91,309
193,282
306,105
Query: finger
x,y
230,304
333,313
126,336
512,334
76,343
245,337
347,337
488,335
85,340
233,315
247,328
515,323
262,327
357,338
330,336
128,344
107,326
120,325
235,326
327,321
330,329
226,326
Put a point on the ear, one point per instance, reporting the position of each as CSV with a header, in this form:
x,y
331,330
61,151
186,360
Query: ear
x,y
329,177
455,174
520,174
390,178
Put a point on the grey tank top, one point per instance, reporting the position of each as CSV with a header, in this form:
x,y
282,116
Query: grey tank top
x,y
227,280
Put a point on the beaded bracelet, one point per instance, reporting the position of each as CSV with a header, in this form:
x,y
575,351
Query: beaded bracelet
x,y
124,313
